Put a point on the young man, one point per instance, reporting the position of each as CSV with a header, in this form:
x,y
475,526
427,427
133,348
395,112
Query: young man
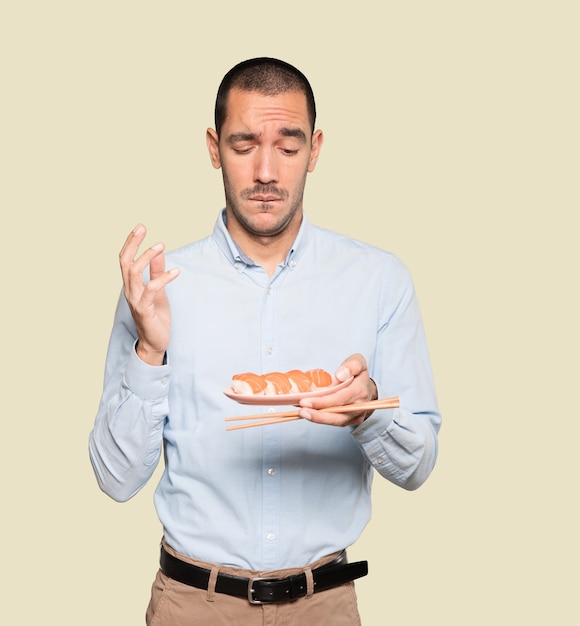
x,y
267,291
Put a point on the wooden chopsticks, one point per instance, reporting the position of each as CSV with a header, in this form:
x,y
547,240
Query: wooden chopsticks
x,y
290,416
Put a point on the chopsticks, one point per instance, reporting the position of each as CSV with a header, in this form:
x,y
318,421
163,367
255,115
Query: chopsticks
x,y
290,416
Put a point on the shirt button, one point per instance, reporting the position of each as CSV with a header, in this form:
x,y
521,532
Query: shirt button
x,y
270,350
270,536
272,471
164,380
380,460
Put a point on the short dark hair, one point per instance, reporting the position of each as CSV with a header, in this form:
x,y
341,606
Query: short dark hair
x,y
267,76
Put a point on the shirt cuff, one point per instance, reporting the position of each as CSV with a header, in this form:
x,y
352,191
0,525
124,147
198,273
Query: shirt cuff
x,y
374,426
150,382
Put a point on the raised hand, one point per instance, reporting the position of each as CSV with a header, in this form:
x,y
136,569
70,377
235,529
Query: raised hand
x,y
147,301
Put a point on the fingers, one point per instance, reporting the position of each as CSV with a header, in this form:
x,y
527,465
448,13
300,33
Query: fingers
x,y
332,419
361,389
353,365
147,300
150,290
132,267
157,263
133,241
128,254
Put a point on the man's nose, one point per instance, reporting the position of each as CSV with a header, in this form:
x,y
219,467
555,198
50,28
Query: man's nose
x,y
266,169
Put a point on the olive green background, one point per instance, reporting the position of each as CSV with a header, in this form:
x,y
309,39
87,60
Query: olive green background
x,y
452,139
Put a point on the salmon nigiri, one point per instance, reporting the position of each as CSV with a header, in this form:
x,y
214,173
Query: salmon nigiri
x,y
300,381
249,383
320,377
278,383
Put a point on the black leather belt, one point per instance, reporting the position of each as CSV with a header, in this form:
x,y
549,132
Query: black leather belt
x,y
260,590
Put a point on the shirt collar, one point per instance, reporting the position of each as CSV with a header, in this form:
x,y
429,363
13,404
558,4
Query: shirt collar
x,y
235,255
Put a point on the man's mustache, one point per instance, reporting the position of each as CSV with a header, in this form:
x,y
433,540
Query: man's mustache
x,y
265,190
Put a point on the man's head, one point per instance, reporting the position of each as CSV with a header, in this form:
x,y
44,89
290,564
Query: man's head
x,y
266,76
265,145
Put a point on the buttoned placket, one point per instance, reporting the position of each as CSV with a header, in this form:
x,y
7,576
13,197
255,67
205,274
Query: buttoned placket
x,y
270,437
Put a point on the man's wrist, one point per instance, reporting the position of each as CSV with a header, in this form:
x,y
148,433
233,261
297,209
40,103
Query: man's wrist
x,y
151,357
374,394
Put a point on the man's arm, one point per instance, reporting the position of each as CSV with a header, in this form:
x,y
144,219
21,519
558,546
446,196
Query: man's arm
x,y
126,441
401,443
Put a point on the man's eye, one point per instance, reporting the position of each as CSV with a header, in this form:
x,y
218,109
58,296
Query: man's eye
x,y
289,151
242,150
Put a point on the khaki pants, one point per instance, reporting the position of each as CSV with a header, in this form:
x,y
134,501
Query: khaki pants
x,y
175,604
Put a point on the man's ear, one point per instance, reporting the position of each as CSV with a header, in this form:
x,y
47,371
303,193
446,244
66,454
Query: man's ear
x,y
212,140
317,141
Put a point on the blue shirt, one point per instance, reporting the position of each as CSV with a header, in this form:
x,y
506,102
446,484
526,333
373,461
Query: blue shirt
x,y
281,495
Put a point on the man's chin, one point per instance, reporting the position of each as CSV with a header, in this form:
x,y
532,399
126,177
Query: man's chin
x,y
268,219
268,225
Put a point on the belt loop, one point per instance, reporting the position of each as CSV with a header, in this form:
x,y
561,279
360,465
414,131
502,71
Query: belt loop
x,y
210,596
309,582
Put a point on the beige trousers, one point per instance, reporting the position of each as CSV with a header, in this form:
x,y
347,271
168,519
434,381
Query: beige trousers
x,y
175,604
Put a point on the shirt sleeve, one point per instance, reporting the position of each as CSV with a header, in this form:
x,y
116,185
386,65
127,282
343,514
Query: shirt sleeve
x,y
402,444
126,441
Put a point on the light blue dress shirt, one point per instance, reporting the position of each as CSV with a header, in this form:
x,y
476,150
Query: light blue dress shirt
x,y
281,495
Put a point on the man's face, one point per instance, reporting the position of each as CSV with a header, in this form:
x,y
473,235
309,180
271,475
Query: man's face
x,y
265,150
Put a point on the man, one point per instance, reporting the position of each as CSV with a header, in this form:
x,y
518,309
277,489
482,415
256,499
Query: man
x,y
267,291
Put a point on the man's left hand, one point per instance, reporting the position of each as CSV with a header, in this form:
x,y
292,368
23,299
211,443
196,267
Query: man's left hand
x,y
361,389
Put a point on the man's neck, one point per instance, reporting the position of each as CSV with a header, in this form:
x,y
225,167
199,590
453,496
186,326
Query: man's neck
x,y
267,251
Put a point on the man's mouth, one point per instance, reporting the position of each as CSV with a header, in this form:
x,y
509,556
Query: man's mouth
x,y
265,194
261,198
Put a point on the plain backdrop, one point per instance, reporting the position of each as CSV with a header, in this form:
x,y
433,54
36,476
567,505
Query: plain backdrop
x,y
452,139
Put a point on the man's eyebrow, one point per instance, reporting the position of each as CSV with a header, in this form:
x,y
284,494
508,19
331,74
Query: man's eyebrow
x,y
293,132
284,132
236,137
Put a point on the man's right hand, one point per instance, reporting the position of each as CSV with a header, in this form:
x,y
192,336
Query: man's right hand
x,y
147,301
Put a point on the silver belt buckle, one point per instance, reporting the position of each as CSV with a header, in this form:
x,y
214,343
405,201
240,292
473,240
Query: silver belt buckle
x,y
251,582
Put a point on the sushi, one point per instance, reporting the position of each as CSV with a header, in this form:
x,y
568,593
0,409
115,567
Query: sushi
x,y
280,383
249,383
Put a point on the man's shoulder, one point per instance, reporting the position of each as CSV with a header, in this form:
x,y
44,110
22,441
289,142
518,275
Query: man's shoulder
x,y
348,244
191,250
